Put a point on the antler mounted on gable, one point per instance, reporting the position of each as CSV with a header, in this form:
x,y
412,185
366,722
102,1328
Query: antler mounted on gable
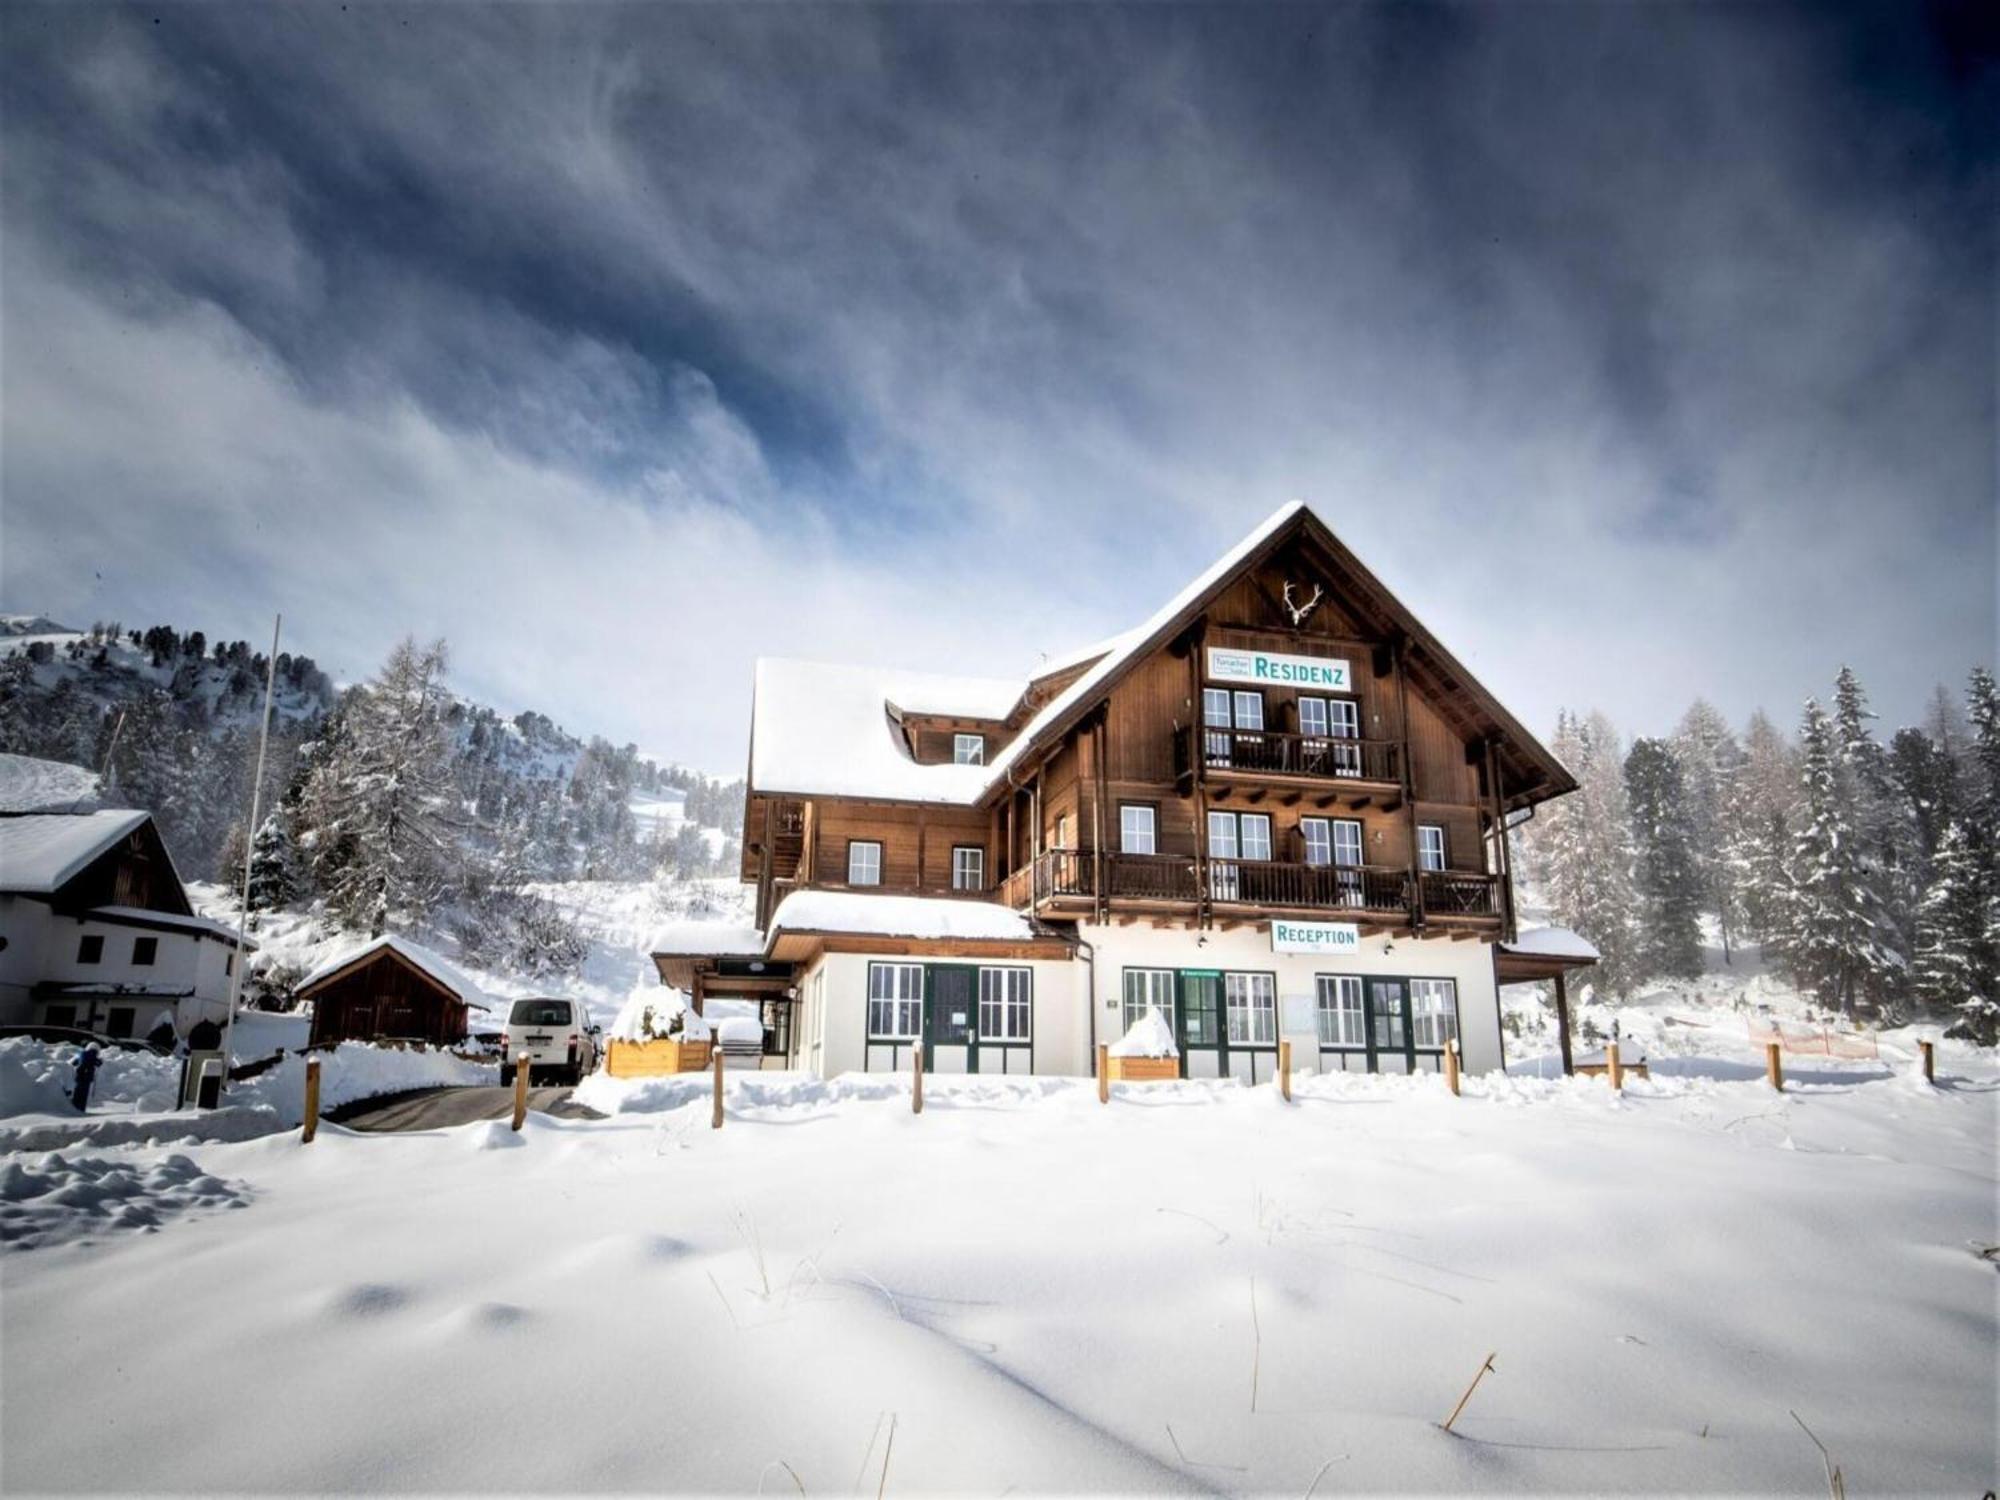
x,y
1299,612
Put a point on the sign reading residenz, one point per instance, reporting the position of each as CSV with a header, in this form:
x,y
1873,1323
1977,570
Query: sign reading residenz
x,y
1315,937
1271,669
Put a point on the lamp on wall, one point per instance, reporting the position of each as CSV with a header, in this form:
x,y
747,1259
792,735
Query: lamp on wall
x,y
1388,945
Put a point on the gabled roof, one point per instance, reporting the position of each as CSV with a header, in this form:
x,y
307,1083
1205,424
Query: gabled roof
x,y
444,972
825,730
40,853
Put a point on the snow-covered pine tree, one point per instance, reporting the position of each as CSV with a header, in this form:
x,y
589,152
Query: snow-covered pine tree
x,y
1582,848
1709,759
1665,878
1757,834
1890,856
273,866
1832,924
1951,931
379,804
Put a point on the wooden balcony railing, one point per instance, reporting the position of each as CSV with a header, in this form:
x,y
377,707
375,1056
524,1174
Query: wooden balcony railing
x,y
1256,882
1057,875
1278,754
1460,893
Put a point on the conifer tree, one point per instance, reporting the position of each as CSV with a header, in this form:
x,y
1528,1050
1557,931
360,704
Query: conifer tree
x,y
1709,760
380,802
1665,877
1584,848
273,874
1832,927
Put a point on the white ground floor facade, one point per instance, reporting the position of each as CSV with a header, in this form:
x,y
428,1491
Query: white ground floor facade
x,y
1387,1005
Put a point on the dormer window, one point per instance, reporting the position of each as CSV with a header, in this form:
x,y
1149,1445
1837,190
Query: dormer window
x,y
968,749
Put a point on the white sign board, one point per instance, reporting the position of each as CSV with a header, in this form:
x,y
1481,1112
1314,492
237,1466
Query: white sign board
x,y
1328,674
1314,937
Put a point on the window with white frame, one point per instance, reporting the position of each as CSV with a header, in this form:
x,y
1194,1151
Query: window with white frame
x,y
1138,828
1340,1015
1223,711
968,867
1317,836
1251,1004
1149,989
1239,835
968,749
1221,835
1249,709
864,862
895,1002
1433,1012
1006,1004
1346,841
1062,831
1430,847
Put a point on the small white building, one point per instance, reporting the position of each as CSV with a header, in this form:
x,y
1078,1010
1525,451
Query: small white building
x,y
96,930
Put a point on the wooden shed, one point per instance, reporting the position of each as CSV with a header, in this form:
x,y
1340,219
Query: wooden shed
x,y
391,989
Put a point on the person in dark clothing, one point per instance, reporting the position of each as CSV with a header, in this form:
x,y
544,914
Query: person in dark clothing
x,y
86,1065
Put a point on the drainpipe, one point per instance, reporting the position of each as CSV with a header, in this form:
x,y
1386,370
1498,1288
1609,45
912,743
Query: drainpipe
x,y
1090,997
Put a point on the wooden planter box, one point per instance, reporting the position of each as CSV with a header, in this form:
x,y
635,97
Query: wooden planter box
x,y
655,1058
1143,1069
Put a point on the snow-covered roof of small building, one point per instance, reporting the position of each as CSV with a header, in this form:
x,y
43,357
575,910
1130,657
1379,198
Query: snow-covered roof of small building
x,y
825,731
1552,942
900,916
707,940
28,785
40,853
206,926
441,969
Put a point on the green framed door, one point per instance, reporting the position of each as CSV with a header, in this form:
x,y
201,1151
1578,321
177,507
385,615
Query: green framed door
x,y
1198,1021
1390,1047
951,1013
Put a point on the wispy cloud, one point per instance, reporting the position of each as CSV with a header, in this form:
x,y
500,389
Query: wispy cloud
x,y
1647,350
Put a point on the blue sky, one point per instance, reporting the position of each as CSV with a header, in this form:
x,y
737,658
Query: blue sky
x,y
1648,350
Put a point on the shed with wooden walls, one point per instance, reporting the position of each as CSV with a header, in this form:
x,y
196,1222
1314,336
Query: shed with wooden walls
x,y
390,989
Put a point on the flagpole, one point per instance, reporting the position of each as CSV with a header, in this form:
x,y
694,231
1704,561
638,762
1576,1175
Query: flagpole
x,y
249,847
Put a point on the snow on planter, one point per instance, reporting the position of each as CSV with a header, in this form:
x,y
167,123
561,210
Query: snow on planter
x,y
656,1032
1147,1051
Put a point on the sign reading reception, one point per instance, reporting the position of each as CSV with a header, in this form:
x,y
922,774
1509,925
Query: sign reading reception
x,y
1315,937
1270,669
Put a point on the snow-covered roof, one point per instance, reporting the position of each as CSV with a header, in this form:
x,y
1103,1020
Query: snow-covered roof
x,y
28,785
1552,942
825,731
42,852
900,916
708,940
442,970
206,926
1064,660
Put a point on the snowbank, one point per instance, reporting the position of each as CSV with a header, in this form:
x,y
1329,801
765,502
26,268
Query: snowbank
x,y
740,1030
1667,1274
36,1077
53,1199
356,1070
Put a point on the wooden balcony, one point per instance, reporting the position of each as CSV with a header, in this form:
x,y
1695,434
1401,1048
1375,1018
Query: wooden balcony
x,y
1063,882
1360,772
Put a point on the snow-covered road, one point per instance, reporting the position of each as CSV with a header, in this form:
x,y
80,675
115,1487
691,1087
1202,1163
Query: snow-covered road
x,y
1195,1288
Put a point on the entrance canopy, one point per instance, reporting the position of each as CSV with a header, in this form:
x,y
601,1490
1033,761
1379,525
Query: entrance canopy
x,y
1542,953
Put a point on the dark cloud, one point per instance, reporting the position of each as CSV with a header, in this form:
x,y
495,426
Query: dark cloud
x,y
1624,339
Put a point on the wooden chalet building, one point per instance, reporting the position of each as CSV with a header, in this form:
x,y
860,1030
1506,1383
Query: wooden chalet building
x,y
390,989
1276,808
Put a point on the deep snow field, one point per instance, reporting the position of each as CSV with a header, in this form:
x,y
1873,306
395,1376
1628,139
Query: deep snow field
x,y
1198,1287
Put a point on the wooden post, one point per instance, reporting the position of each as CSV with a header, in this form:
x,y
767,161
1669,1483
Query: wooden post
x,y
917,1079
521,1072
312,1102
1451,1065
1562,1021
1929,1050
1613,1069
1103,1073
1774,1067
1285,1070
715,1120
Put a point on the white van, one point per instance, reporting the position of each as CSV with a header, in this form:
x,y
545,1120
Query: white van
x,y
556,1035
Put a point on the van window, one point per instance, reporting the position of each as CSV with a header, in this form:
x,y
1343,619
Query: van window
x,y
539,1013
